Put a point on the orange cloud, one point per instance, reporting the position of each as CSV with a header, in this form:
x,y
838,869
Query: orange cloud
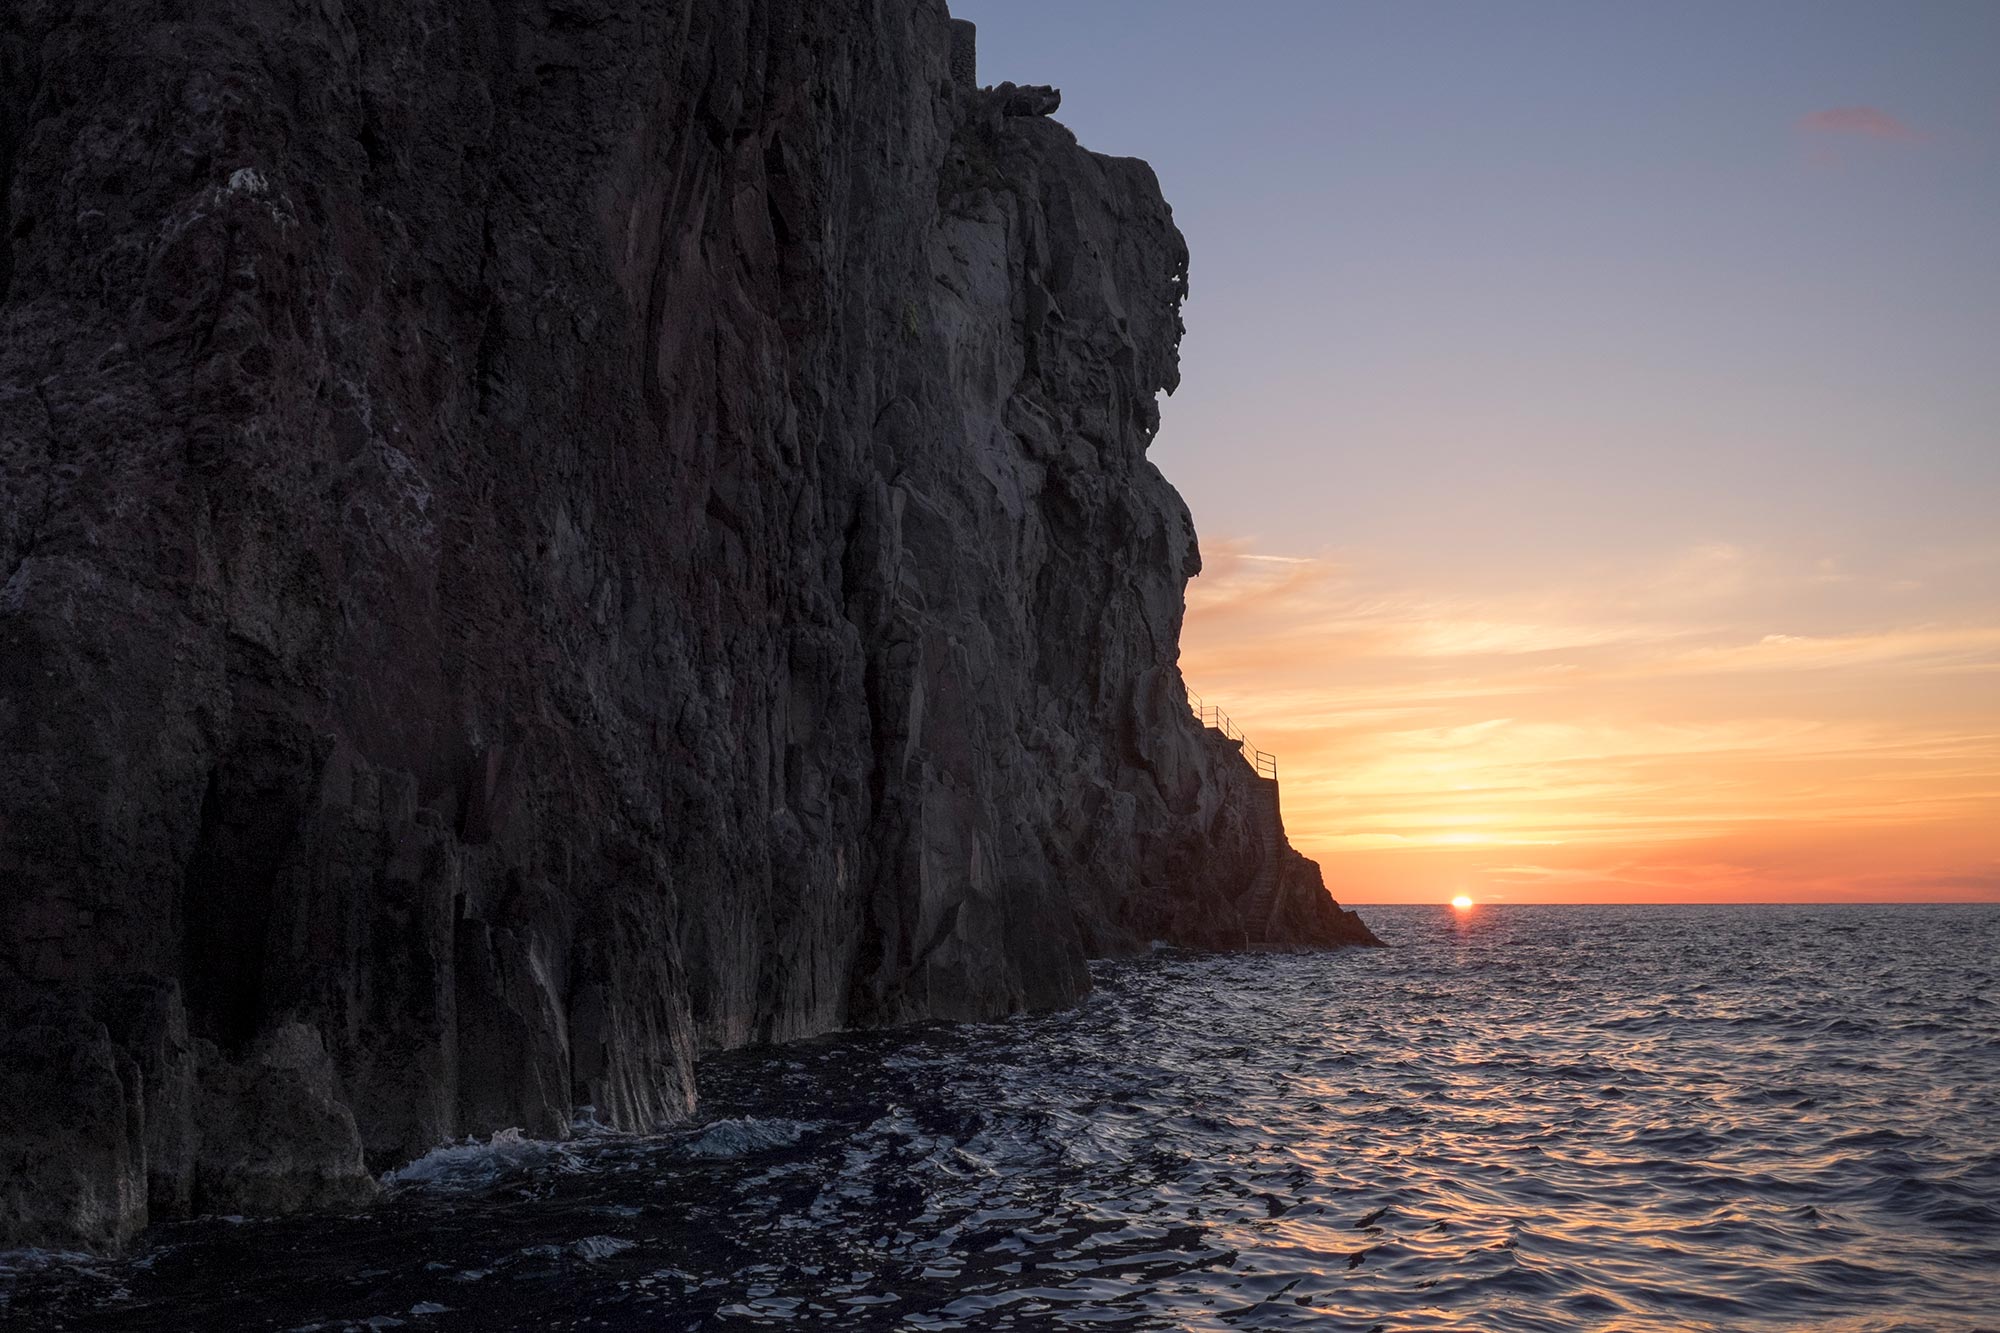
x,y
1864,121
1716,723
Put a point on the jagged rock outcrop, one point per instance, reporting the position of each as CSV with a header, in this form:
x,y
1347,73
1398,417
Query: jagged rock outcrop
x,y
1034,100
540,538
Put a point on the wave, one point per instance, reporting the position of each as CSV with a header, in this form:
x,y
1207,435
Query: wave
x,y
744,1135
474,1166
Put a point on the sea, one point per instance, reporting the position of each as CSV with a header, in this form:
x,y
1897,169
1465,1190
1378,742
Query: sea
x,y
1515,1118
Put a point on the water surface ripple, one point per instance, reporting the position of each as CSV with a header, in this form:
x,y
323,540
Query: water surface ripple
x,y
1525,1118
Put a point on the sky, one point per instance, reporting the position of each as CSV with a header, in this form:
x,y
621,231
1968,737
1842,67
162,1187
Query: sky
x,y
1591,415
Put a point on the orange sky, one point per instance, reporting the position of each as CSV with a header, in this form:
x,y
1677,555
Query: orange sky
x,y
1655,732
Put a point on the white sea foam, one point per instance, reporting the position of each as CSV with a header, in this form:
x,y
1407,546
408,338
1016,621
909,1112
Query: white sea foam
x,y
734,1138
593,1248
473,1165
36,1261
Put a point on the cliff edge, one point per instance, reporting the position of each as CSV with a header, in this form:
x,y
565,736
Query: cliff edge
x,y
541,538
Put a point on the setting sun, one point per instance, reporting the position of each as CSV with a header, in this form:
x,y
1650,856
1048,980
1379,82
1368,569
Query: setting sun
x,y
1462,903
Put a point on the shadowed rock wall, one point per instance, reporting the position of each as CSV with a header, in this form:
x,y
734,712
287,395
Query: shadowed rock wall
x,y
544,536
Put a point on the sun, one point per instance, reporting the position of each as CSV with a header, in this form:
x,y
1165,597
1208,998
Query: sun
x,y
1462,903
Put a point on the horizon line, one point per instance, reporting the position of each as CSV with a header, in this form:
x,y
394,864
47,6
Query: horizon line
x,y
1682,902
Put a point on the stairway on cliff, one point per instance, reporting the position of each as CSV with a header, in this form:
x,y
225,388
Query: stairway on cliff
x,y
1260,901
1260,904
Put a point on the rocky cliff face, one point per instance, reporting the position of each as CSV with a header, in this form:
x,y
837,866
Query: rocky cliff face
x,y
541,537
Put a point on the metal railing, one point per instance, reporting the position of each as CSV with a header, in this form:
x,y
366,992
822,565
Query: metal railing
x,y
1262,761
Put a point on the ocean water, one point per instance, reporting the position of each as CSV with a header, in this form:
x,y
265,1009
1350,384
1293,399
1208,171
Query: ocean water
x,y
1520,1118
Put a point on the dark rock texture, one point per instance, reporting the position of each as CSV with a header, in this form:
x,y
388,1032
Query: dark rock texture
x,y
1036,100
540,537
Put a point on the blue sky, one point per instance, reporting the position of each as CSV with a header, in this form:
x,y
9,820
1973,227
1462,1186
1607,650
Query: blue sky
x,y
1657,345
1464,267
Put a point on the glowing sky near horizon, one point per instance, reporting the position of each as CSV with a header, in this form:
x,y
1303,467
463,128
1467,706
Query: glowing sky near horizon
x,y
1592,418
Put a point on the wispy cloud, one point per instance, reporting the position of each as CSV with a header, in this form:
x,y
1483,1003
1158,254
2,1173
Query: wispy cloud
x,y
1715,693
1865,122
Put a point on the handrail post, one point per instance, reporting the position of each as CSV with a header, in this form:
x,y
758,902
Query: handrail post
x,y
1262,762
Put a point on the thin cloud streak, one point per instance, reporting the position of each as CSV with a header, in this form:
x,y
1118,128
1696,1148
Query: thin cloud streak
x,y
1864,121
1674,706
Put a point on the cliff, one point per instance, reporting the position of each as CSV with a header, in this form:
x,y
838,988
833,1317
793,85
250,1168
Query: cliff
x,y
544,537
